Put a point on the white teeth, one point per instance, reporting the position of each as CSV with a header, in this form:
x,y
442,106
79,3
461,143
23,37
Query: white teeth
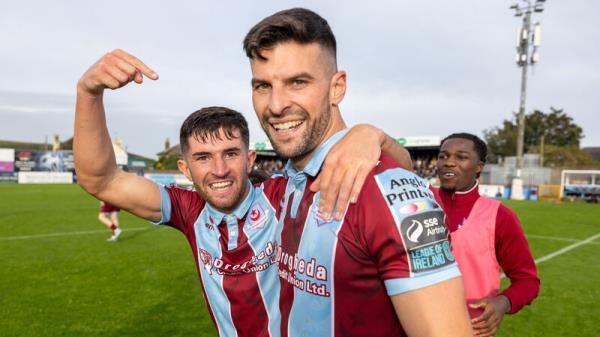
x,y
449,174
286,125
221,184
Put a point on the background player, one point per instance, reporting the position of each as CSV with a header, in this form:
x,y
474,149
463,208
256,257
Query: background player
x,y
109,216
378,266
486,236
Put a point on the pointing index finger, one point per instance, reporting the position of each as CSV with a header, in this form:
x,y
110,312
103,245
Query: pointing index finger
x,y
138,64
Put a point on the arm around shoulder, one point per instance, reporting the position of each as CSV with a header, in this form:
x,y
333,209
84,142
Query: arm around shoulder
x,y
392,148
349,163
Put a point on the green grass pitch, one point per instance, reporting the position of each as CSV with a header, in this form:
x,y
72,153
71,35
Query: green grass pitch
x,y
59,276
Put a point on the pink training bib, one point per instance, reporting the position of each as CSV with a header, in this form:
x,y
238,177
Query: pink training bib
x,y
473,246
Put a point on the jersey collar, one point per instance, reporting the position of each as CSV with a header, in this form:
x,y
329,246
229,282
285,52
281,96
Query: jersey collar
x,y
476,186
313,166
238,213
457,198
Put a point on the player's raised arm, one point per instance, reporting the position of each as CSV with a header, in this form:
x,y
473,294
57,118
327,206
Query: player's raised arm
x,y
94,157
436,310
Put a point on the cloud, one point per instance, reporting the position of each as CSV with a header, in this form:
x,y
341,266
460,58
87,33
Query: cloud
x,y
413,67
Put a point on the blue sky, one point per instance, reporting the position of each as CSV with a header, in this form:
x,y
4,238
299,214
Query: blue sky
x,y
414,68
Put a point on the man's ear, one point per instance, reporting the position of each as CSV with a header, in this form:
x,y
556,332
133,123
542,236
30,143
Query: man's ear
x,y
479,168
337,88
184,168
251,160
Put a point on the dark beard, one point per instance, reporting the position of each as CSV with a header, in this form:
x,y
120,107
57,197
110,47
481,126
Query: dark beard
x,y
448,189
310,139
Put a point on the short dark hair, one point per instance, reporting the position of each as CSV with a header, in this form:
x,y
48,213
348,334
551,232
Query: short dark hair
x,y
205,124
478,144
296,24
257,176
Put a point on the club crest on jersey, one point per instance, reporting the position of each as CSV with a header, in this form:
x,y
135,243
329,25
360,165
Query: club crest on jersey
x,y
319,217
257,217
206,259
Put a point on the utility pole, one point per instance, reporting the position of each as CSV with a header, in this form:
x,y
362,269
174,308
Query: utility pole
x,y
542,151
526,38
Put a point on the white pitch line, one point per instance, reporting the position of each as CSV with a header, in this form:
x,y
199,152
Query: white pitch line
x,y
567,248
37,236
554,238
562,250
557,238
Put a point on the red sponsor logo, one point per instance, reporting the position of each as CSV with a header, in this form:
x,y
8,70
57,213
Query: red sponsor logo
x,y
206,259
25,155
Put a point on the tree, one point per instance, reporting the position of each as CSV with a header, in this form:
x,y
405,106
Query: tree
x,y
501,141
557,128
168,162
567,156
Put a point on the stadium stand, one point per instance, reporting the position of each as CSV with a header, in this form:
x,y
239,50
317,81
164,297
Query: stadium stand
x,y
425,166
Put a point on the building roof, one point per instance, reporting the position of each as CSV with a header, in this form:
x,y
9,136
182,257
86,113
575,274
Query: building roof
x,y
172,151
594,152
134,156
67,145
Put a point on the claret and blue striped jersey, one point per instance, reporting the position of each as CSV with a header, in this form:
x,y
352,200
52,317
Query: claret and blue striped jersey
x,y
337,276
275,267
236,256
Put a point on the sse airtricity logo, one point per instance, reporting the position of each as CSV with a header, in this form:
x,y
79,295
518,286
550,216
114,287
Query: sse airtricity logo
x,y
414,231
426,240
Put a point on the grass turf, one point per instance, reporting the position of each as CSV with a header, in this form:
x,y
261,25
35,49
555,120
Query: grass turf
x,y
146,284
80,285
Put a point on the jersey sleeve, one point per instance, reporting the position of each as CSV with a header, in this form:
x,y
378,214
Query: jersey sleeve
x,y
405,231
516,260
179,207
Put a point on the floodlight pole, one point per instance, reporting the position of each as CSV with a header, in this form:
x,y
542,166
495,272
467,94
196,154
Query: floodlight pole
x,y
525,38
524,52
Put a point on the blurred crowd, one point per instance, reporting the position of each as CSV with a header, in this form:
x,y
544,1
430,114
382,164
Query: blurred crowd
x,y
270,166
425,166
264,168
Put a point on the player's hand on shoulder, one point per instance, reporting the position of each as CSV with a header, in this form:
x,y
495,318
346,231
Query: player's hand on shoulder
x,y
346,168
114,70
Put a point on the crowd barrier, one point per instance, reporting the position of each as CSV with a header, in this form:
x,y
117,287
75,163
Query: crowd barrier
x,y
503,192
